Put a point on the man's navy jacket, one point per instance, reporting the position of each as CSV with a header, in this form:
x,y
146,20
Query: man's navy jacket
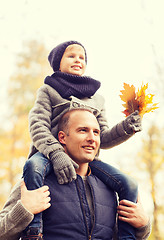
x,y
69,215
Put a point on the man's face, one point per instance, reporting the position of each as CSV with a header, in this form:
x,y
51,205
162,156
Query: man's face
x,y
83,139
73,60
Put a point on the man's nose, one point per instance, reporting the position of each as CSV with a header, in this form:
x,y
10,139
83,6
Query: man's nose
x,y
91,137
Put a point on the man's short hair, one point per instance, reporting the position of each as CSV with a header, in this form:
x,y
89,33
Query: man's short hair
x,y
63,124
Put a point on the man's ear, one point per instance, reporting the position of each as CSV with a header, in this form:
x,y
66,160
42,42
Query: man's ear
x,y
61,137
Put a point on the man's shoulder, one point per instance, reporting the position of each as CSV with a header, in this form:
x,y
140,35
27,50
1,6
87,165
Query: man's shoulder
x,y
102,188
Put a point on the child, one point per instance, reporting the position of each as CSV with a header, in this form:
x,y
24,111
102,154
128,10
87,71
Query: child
x,y
65,89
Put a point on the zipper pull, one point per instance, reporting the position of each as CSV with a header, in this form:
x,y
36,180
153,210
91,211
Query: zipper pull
x,y
89,237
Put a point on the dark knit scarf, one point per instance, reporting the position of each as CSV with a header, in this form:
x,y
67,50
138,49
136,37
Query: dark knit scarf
x,y
72,85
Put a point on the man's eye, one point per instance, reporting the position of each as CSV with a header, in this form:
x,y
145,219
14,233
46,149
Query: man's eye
x,y
96,132
83,130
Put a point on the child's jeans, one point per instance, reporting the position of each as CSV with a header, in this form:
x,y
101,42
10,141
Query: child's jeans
x,y
38,166
34,172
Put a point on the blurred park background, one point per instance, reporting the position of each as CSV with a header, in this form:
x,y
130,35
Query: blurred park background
x,y
124,42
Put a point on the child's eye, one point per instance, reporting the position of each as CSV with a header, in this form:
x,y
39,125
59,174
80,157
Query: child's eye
x,y
70,56
82,58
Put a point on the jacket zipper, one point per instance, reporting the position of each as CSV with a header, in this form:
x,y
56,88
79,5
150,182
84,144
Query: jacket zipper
x,y
89,236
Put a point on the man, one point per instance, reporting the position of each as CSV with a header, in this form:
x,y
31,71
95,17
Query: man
x,y
72,212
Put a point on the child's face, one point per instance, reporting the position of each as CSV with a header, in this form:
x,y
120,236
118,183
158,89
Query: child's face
x,y
73,60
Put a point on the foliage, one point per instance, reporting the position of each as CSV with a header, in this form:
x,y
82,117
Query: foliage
x,y
151,161
137,100
31,69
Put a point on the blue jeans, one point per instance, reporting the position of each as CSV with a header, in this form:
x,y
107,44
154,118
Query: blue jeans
x,y
38,167
35,170
125,187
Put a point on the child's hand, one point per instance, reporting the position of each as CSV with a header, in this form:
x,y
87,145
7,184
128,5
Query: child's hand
x,y
64,167
35,201
133,123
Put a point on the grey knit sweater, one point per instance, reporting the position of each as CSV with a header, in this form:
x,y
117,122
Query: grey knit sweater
x,y
47,110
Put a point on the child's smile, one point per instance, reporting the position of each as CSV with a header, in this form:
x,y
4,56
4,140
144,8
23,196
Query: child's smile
x,y
73,60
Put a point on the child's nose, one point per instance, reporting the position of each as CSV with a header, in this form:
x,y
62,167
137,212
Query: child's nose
x,y
77,59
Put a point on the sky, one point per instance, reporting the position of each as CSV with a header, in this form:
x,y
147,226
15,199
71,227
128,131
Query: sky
x,y
117,34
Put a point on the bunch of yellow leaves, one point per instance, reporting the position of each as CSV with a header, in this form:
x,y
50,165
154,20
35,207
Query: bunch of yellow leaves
x,y
137,100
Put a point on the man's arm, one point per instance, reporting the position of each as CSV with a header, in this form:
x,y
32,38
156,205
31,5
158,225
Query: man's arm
x,y
134,214
20,208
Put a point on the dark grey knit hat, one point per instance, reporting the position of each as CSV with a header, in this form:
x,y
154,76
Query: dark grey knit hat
x,y
56,54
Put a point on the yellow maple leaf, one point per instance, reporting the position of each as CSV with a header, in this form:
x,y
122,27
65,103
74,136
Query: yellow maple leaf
x,y
137,100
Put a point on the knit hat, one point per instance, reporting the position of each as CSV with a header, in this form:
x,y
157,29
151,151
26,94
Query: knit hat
x,y
56,54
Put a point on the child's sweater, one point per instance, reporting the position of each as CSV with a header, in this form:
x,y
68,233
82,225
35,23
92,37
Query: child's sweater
x,y
49,107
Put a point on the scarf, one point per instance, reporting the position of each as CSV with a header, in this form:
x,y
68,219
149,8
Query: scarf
x,y
72,85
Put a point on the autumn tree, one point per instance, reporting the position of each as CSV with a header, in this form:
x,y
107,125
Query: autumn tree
x,y
151,161
31,68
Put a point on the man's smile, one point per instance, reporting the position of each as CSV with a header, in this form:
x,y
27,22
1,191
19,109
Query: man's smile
x,y
88,147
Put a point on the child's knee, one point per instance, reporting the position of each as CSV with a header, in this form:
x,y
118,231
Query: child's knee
x,y
32,166
132,185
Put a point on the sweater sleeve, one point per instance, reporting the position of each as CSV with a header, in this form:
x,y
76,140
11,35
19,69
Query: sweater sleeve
x,y
40,118
141,233
14,218
114,136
